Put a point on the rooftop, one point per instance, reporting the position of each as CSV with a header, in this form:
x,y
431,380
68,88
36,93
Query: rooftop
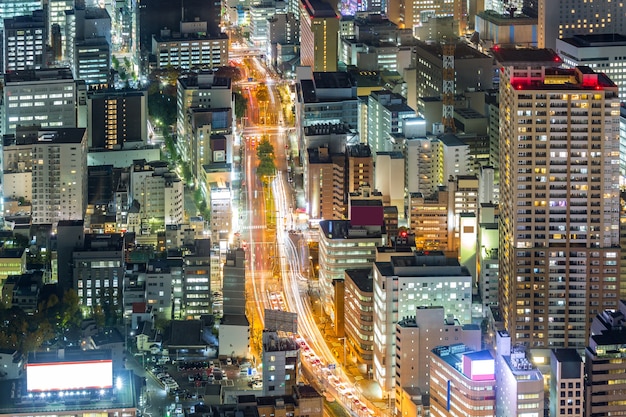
x,y
510,56
319,9
595,40
362,278
38,75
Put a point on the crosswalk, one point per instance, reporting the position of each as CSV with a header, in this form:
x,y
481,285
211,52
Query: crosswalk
x,y
255,227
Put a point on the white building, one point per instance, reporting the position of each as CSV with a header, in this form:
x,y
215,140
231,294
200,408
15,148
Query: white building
x,y
159,293
406,283
259,15
602,53
234,337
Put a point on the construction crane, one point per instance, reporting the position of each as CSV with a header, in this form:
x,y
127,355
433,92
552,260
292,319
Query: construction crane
x,y
448,87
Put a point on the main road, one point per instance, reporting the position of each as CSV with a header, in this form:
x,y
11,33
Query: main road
x,y
272,250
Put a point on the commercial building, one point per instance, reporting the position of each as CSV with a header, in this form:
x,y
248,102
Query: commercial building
x,y
506,29
233,287
559,179
260,14
406,283
325,181
412,14
319,35
359,316
386,115
462,382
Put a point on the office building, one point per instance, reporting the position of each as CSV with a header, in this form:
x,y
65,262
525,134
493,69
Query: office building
x,y
12,8
28,93
462,382
559,222
572,17
487,256
406,283
344,245
326,98
117,119
567,383
319,35
519,384
98,270
159,291
605,365
190,49
24,42
416,338
602,53
260,14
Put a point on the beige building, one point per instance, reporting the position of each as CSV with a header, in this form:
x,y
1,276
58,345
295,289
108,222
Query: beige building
x,y
359,315
411,14
319,35
559,223
325,180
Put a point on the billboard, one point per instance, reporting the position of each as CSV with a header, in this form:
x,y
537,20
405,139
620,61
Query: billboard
x,y
64,376
479,366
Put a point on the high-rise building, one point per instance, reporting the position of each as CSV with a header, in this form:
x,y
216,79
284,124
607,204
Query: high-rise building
x,y
412,14
406,283
280,363
56,16
196,285
572,17
559,223
319,35
325,180
190,49
359,315
359,168
25,42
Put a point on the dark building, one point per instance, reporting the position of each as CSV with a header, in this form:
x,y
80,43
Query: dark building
x,y
117,119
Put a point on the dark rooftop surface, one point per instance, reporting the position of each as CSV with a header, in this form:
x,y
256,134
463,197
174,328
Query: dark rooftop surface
x,y
567,355
507,56
319,8
594,40
39,75
362,278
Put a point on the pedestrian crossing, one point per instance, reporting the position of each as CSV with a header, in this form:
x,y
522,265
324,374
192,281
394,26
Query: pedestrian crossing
x,y
256,227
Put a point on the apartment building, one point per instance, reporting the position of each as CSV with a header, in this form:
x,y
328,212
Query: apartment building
x,y
559,180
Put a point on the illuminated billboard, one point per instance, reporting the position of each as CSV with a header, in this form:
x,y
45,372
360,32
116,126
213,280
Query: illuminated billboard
x,y
479,366
65,376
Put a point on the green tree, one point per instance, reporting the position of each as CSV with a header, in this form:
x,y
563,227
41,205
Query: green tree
x,y
241,103
266,169
262,93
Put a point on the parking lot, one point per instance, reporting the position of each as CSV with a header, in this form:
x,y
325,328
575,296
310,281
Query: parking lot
x,y
188,381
